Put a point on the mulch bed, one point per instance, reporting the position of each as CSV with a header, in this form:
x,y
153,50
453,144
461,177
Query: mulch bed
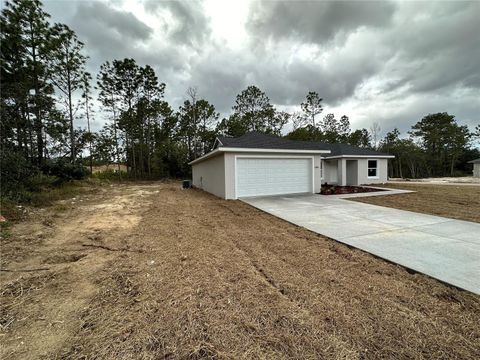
x,y
338,190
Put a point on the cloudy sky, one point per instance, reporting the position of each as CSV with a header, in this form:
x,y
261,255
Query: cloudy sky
x,y
386,62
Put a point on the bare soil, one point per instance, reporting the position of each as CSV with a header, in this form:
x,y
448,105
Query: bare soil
x,y
457,202
151,271
443,180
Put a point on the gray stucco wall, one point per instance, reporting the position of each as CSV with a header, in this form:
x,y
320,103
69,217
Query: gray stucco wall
x,y
476,170
330,171
209,175
382,171
230,169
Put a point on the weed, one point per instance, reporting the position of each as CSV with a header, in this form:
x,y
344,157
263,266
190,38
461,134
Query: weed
x,y
5,229
111,175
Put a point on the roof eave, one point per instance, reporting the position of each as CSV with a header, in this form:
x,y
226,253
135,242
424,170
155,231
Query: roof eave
x,y
360,156
206,156
270,150
255,150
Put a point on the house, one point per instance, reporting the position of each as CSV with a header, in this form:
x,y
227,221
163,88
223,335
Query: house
x,y
476,167
109,167
258,164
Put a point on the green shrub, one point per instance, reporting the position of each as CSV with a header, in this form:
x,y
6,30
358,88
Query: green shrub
x,y
41,182
111,175
23,182
5,229
65,170
15,173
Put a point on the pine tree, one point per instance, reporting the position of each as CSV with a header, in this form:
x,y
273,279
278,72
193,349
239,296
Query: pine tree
x,y
108,97
26,50
87,100
67,66
312,106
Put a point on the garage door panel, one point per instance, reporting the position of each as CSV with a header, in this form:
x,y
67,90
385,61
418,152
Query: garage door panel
x,y
267,176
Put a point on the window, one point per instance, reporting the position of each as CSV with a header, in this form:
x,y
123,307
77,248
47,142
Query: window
x,y
372,169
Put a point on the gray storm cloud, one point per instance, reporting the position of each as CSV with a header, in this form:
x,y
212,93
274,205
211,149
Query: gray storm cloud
x,y
316,22
192,24
391,62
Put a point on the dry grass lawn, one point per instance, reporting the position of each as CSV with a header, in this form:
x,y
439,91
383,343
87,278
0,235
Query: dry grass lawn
x,y
151,271
453,201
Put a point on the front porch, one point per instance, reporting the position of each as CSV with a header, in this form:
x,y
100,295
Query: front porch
x,y
351,171
340,172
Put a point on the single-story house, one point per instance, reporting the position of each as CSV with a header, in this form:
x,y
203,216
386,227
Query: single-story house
x,y
258,164
476,167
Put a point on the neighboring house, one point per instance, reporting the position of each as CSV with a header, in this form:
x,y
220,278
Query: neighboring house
x,y
257,164
476,167
109,167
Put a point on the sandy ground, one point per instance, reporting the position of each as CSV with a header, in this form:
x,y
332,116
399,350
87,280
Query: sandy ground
x,y
151,271
470,180
460,202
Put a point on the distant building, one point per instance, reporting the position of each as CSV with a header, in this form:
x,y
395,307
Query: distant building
x,y
476,167
109,167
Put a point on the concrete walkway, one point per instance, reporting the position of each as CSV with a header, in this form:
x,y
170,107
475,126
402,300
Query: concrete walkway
x,y
446,249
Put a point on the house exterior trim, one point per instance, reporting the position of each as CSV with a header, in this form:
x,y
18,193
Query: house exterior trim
x,y
359,157
255,150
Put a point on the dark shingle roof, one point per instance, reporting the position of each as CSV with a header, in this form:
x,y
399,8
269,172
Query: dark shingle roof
x,y
476,161
345,149
256,140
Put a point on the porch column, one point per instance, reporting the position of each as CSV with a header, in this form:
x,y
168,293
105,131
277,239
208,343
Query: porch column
x,y
342,172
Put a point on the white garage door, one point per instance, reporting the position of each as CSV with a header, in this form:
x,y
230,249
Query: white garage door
x,y
273,176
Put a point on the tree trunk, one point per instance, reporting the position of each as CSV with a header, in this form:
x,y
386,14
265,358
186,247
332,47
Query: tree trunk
x,y
126,154
19,122
116,138
38,120
149,151
89,134
30,137
141,156
189,144
134,161
70,114
38,126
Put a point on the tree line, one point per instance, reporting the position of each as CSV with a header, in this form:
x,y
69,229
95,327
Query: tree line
x,y
46,90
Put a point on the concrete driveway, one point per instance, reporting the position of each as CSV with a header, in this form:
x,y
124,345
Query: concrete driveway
x,y
446,249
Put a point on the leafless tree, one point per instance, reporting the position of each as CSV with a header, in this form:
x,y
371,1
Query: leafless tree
x,y
299,120
375,130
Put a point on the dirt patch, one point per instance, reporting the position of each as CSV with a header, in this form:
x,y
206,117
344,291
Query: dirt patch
x,y
64,258
218,279
456,202
49,265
